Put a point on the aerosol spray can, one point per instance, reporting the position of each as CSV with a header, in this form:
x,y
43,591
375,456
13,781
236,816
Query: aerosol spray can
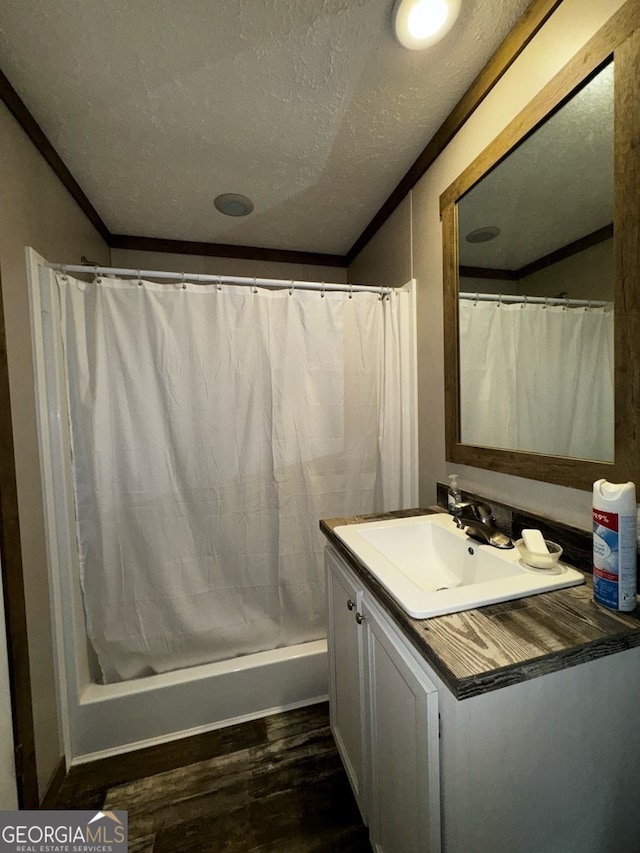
x,y
614,544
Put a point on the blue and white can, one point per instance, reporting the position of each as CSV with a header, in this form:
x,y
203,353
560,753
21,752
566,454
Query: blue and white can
x,y
614,545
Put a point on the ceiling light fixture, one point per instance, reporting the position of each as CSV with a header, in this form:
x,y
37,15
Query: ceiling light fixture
x,y
483,235
421,23
233,204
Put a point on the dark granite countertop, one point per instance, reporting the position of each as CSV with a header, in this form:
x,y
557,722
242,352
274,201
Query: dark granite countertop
x,y
480,650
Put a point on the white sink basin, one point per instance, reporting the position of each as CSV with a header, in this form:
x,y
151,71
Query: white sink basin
x,y
431,567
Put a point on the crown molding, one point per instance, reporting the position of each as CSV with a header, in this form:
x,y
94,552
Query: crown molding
x,y
224,250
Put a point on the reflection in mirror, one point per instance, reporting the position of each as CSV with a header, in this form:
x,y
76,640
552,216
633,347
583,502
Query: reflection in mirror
x,y
536,283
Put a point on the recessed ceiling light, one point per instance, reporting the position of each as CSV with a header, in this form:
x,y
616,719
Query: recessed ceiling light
x,y
483,235
421,23
233,204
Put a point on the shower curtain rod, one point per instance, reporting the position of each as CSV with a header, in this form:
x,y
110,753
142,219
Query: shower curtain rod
x,y
534,300
198,278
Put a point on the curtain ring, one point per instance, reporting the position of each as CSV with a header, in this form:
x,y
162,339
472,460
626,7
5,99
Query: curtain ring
x,y
524,304
588,306
350,291
499,300
291,288
219,285
139,279
322,291
477,299
184,283
254,289
64,272
546,302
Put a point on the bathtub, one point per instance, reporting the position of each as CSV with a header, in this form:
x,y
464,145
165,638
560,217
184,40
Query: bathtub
x,y
100,720
114,718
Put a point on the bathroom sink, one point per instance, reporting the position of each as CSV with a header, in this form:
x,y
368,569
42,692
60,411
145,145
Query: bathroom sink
x,y
430,567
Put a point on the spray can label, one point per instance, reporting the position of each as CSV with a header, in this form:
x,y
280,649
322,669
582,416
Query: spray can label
x,y
608,529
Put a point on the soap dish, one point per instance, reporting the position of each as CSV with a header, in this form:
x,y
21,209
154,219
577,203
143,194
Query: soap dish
x,y
540,561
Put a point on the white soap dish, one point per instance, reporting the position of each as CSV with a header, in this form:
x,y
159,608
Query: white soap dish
x,y
537,560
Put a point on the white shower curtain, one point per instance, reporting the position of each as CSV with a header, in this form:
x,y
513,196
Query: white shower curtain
x,y
537,378
211,429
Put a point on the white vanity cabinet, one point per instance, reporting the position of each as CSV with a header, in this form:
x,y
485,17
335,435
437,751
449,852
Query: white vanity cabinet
x,y
346,665
546,764
402,715
384,717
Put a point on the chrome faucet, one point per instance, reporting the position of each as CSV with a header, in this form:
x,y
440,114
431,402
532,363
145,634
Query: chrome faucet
x,y
479,522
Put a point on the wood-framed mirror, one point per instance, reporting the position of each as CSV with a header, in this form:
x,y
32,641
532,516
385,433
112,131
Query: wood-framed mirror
x,y
551,392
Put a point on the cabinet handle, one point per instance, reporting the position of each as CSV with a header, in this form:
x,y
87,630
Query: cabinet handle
x,y
359,618
350,604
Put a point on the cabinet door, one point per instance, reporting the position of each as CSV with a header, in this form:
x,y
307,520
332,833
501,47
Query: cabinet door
x,y
404,805
346,683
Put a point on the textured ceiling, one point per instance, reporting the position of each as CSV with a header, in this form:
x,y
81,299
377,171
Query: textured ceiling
x,y
309,107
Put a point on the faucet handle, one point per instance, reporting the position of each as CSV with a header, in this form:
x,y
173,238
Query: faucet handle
x,y
483,512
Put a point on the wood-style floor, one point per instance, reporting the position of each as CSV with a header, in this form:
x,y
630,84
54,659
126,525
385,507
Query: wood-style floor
x,y
274,785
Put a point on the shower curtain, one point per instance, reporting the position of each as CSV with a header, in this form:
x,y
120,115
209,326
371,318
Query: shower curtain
x,y
211,429
537,377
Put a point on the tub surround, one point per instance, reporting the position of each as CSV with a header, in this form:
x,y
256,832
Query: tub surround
x,y
478,651
114,718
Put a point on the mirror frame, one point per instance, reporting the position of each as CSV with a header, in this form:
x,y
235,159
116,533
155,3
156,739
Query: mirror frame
x,y
618,39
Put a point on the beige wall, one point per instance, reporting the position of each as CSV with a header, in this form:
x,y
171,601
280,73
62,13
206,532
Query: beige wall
x,y
35,211
588,274
130,259
568,29
388,258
